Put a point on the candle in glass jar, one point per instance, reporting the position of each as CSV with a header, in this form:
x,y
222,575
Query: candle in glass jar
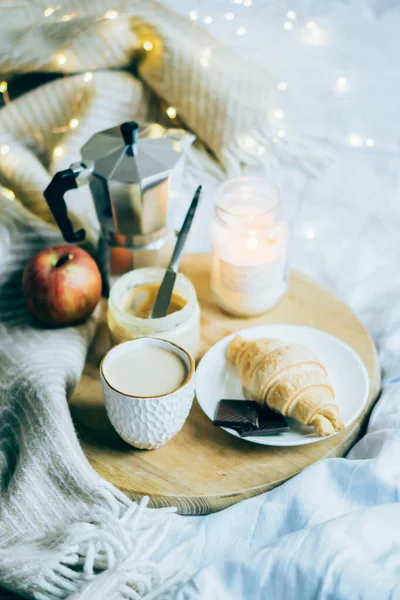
x,y
249,255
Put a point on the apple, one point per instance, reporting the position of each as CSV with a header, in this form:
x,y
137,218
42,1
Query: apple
x,y
61,285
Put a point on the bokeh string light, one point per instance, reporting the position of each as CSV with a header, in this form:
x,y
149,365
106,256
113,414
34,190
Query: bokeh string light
x,y
7,193
205,56
341,85
110,14
4,91
241,31
58,151
171,112
61,60
355,140
310,31
312,34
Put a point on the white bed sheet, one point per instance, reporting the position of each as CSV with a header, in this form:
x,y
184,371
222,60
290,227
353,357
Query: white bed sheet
x,y
332,532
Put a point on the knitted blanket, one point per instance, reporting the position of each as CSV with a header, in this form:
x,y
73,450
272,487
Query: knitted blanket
x,y
95,51
59,522
64,532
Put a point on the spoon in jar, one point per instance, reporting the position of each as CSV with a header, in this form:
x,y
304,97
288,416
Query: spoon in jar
x,y
163,299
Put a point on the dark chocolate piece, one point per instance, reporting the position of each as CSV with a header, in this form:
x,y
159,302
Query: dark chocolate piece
x,y
236,414
269,423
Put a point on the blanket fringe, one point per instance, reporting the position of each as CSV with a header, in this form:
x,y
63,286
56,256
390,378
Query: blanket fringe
x,y
117,545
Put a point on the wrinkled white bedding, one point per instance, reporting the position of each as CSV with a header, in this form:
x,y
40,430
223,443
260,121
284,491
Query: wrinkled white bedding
x,y
332,532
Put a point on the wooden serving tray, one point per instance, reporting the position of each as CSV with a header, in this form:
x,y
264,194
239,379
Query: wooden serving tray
x,y
203,469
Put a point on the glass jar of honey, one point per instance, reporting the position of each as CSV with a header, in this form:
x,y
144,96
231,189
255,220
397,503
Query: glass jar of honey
x,y
131,300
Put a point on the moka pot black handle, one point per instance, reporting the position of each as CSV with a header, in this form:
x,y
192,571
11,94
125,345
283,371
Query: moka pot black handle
x,y
62,182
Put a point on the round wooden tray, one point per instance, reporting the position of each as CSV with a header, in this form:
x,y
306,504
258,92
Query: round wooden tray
x,y
204,469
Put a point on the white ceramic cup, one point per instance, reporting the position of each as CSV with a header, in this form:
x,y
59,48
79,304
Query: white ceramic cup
x,y
148,422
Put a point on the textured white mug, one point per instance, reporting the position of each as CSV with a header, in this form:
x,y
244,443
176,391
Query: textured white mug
x,y
148,422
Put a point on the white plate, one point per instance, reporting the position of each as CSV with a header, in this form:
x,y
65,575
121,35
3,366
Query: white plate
x,y
217,378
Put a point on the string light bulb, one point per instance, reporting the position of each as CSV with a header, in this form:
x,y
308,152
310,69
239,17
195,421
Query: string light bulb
x,y
341,86
111,14
58,151
281,133
8,193
229,16
309,234
282,86
88,76
73,124
62,59
241,31
247,142
171,112
48,11
313,35
207,20
4,149
3,87
247,2
148,46
369,142
287,26
355,140
194,15
279,114
205,57
291,15
66,18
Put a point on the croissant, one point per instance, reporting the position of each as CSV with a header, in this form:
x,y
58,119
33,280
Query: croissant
x,y
289,379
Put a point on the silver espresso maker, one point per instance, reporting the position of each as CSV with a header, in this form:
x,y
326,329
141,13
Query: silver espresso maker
x,y
132,171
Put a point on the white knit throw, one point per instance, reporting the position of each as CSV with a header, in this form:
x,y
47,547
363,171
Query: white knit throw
x,y
60,523
64,532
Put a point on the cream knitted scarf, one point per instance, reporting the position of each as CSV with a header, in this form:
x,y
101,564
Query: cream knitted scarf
x,y
64,532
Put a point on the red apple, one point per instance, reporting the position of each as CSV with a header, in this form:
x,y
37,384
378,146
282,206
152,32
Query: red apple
x,y
61,285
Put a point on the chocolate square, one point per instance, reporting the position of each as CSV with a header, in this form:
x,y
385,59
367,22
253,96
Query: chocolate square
x,y
269,423
237,414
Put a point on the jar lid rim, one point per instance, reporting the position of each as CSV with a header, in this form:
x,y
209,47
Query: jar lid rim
x,y
164,323
224,188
